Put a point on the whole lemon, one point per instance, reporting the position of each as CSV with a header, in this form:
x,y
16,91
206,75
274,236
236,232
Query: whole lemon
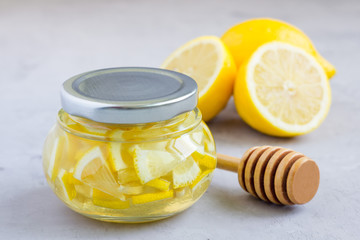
x,y
243,39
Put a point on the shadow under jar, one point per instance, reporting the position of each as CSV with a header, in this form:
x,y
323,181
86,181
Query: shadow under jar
x,y
129,145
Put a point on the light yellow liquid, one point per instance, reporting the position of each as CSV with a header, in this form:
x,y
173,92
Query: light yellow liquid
x,y
129,173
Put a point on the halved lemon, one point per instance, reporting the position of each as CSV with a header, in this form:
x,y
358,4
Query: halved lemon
x,y
282,90
185,173
244,38
209,63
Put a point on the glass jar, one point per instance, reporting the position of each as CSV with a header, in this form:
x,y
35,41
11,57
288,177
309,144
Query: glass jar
x,y
129,145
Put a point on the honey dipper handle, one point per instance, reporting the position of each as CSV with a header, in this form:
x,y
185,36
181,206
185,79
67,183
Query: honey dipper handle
x,y
227,162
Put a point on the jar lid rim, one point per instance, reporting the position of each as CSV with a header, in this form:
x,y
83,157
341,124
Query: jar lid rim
x,y
129,95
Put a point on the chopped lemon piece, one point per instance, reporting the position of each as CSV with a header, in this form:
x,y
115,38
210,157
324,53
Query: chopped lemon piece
x,y
55,156
210,64
198,137
184,146
119,155
95,131
89,163
159,145
93,170
152,197
185,173
132,188
205,160
180,192
199,181
83,191
127,175
102,199
66,183
151,164
116,160
159,183
282,90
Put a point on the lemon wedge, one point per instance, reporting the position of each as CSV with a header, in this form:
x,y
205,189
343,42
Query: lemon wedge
x,y
105,200
132,188
205,160
94,170
209,63
127,175
116,160
160,184
152,197
66,183
119,155
151,164
185,173
199,184
55,156
282,90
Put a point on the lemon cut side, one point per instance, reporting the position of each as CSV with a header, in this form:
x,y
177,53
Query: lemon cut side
x,y
93,170
185,173
282,90
151,164
209,63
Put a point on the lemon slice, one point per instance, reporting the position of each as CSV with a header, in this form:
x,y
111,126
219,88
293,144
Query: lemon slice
x,y
199,183
152,197
105,200
116,160
132,188
93,170
209,63
66,184
119,155
282,90
55,156
204,159
127,175
159,183
151,164
185,173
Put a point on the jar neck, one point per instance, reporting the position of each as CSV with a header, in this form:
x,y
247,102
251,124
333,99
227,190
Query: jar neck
x,y
155,131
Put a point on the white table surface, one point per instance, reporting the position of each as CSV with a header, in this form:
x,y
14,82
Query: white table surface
x,y
43,43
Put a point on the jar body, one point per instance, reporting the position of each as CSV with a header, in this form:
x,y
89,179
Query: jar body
x,y
129,173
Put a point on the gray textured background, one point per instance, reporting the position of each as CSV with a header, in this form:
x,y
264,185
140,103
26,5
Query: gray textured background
x,y
42,43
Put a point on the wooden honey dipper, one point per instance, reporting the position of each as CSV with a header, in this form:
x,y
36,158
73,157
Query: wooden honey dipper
x,y
275,174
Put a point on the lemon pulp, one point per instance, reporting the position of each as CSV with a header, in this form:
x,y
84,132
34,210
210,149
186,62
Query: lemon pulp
x,y
282,90
207,60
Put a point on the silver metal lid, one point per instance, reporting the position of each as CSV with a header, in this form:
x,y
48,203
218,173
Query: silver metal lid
x,y
129,95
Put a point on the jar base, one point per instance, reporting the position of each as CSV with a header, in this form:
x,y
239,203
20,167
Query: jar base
x,y
115,219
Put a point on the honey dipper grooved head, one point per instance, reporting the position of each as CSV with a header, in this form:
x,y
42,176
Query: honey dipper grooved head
x,y
279,175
